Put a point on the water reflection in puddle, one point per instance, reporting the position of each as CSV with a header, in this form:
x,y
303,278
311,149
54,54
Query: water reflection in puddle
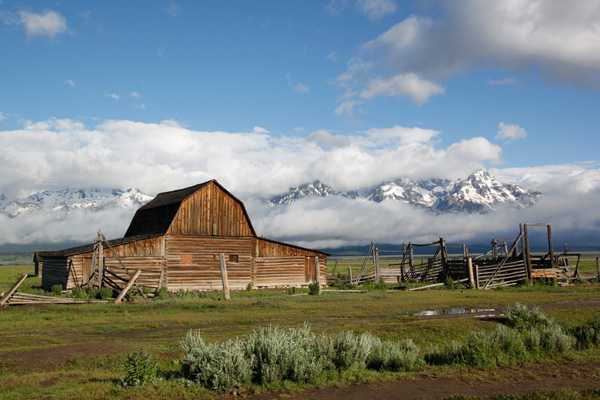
x,y
481,312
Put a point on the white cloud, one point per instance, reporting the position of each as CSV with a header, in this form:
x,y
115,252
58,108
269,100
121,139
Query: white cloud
x,y
324,139
57,154
402,135
560,40
135,95
141,106
418,89
70,83
347,108
296,87
49,24
509,132
2,116
173,9
258,129
160,51
376,9
113,96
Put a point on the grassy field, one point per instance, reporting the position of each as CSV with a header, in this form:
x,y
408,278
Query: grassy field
x,y
75,351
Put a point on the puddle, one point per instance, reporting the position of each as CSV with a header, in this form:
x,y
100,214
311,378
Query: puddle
x,y
480,312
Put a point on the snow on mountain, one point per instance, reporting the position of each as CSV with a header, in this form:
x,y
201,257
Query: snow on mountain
x,y
316,188
480,192
60,203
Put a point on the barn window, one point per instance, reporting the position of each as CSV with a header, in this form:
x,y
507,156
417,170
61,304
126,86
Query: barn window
x,y
233,258
186,258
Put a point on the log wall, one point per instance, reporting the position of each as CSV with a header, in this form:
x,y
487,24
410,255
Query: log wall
x,y
193,262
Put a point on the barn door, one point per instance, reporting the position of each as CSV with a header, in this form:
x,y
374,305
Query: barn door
x,y
87,270
309,269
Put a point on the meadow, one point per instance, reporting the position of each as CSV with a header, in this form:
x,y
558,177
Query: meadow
x,y
75,351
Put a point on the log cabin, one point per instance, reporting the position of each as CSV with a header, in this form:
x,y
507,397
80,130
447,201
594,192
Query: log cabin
x,y
176,240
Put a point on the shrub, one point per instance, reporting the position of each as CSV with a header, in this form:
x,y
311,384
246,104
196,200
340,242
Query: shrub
x,y
249,287
284,355
104,293
588,334
218,366
79,293
394,356
314,288
498,348
522,318
351,351
140,369
57,290
162,294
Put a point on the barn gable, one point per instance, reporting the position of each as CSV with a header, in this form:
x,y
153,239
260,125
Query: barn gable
x,y
206,209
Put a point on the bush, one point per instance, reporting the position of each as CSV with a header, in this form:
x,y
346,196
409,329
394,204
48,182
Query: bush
x,y
314,288
140,369
79,293
218,366
57,290
498,348
587,335
285,355
351,351
394,356
522,318
162,294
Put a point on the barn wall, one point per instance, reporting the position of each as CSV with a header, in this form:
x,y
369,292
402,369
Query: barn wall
x,y
54,272
210,211
193,262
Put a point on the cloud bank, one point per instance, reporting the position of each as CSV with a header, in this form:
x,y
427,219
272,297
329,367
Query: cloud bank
x,y
415,56
254,165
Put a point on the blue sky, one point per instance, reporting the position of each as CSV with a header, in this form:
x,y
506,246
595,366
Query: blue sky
x,y
270,94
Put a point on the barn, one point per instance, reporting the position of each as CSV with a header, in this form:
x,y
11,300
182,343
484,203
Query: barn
x,y
179,241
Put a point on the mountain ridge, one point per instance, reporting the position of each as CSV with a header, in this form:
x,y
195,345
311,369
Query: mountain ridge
x,y
478,193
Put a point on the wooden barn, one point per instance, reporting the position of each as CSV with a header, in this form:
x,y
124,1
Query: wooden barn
x,y
180,240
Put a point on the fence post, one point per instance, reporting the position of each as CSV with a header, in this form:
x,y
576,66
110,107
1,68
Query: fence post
x,y
476,276
470,271
598,268
349,276
317,273
224,276
376,258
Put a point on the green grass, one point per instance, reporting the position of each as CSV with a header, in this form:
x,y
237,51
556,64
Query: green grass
x,y
36,346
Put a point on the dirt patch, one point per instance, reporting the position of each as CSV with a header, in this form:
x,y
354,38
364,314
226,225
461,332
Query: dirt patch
x,y
517,381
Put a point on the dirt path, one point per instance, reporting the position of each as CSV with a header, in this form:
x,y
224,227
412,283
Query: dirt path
x,y
572,375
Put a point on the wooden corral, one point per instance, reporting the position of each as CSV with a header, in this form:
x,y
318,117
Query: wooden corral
x,y
501,266
176,241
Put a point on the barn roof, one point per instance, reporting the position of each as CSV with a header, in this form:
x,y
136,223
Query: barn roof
x,y
156,216
87,248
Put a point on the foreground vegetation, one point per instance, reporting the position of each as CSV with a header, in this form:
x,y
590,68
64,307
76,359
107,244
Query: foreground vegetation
x,y
94,350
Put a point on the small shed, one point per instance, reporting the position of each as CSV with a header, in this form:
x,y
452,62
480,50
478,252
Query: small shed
x,y
176,240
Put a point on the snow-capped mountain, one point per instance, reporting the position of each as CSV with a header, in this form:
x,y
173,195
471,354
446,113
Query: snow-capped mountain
x,y
316,188
480,192
60,203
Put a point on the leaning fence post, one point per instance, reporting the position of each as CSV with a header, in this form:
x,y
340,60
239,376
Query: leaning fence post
x,y
224,276
127,286
12,290
349,276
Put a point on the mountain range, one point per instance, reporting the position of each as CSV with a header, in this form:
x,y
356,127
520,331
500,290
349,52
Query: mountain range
x,y
478,193
59,204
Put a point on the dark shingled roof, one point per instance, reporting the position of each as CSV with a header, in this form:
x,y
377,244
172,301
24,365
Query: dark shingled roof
x,y
156,216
